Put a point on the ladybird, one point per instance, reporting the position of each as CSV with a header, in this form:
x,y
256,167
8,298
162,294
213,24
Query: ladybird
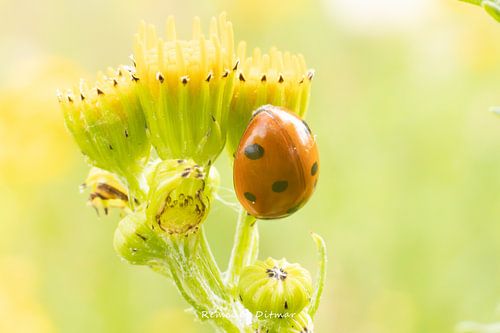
x,y
276,165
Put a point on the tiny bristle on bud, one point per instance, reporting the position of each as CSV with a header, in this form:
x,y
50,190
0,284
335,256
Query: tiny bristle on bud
x,y
134,78
133,60
281,79
115,82
82,97
225,74
69,98
185,79
241,77
160,77
310,74
236,65
263,78
99,91
209,77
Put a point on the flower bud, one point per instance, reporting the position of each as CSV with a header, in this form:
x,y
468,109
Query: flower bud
x,y
107,123
135,242
179,196
186,88
106,190
275,78
299,323
287,323
275,285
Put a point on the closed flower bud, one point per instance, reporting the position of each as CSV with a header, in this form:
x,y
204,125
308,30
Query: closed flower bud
x,y
106,191
108,124
179,196
185,88
275,286
274,78
299,323
287,323
136,242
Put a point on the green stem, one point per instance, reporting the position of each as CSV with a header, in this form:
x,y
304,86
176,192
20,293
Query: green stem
x,y
320,283
244,246
198,279
214,275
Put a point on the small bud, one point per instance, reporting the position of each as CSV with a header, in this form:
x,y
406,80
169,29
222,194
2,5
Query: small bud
x,y
285,323
179,196
106,190
275,285
136,242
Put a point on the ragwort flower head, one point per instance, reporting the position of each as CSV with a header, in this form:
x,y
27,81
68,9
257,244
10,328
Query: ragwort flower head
x,y
280,79
107,123
186,88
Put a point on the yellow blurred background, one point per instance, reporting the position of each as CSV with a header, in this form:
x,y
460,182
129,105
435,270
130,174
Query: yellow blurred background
x,y
409,195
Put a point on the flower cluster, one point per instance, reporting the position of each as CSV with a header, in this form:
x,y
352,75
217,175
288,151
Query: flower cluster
x,y
151,133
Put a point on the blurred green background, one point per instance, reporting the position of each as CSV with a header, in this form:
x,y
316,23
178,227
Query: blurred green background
x,y
408,200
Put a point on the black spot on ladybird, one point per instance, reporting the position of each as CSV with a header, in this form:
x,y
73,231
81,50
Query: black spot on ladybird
x,y
280,186
254,151
250,197
314,169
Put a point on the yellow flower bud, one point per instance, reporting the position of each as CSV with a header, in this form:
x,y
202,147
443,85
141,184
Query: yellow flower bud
x,y
275,286
106,190
186,88
107,123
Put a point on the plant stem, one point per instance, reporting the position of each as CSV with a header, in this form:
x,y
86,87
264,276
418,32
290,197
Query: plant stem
x,y
320,283
198,279
244,247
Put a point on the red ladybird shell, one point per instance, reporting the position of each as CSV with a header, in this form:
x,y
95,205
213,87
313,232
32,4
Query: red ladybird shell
x,y
276,166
